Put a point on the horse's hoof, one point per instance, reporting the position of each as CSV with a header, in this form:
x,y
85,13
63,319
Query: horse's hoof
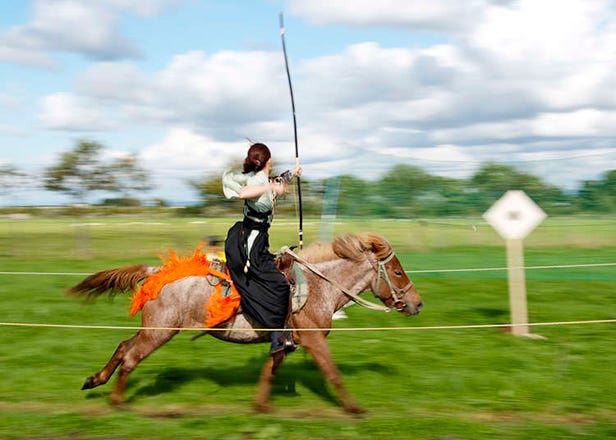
x,y
263,408
355,409
116,400
89,383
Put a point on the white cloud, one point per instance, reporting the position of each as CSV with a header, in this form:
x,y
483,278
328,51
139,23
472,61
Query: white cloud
x,y
546,32
89,28
555,53
183,150
65,111
432,15
145,8
363,73
219,94
20,54
561,51
245,84
115,82
585,123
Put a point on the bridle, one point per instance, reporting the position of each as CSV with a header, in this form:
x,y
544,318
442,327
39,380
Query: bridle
x,y
395,293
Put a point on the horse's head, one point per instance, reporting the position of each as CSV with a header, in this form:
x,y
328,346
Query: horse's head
x,y
391,284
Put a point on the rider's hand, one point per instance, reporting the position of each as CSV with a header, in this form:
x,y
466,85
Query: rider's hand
x,y
279,188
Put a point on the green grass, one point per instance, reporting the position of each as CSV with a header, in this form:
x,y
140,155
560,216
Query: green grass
x,y
425,384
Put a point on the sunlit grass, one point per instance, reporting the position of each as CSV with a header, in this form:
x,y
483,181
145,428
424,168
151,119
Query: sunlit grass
x,y
453,383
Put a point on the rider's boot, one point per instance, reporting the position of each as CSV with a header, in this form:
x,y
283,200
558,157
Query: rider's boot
x,y
283,340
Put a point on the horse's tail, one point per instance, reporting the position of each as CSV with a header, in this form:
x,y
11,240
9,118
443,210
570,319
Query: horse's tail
x,y
113,281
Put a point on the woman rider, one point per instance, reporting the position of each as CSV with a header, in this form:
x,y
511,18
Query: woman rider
x,y
263,288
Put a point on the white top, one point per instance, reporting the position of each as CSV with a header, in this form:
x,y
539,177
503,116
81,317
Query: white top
x,y
232,184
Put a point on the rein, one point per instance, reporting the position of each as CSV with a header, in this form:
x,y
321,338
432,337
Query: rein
x,y
356,298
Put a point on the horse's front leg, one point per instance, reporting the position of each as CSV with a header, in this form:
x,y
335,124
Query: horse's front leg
x,y
316,344
264,387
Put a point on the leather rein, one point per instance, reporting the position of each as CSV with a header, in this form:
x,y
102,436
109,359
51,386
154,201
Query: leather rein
x,y
396,294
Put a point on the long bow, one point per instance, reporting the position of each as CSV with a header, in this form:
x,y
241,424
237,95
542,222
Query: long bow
x,y
300,232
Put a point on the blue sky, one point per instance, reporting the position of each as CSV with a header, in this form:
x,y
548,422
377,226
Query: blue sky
x,y
446,85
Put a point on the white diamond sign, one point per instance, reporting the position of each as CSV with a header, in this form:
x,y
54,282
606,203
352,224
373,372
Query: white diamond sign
x,y
514,215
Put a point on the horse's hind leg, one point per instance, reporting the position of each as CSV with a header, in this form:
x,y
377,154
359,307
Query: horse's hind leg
x,y
103,375
143,344
265,381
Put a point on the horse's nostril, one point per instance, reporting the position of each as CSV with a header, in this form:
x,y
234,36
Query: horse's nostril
x,y
420,306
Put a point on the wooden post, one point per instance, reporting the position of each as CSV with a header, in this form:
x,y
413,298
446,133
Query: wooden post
x,y
517,288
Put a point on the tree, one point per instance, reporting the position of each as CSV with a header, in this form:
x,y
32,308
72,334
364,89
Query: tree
x,y
126,176
11,177
409,191
210,192
82,171
599,195
493,180
357,197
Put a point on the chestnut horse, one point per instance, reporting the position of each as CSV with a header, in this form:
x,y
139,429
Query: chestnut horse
x,y
335,272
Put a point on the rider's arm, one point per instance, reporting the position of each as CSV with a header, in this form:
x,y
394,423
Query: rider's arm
x,y
254,191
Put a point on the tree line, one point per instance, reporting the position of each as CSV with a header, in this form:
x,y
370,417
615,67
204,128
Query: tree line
x,y
405,191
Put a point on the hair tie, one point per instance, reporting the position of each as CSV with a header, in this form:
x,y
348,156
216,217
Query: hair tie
x,y
258,162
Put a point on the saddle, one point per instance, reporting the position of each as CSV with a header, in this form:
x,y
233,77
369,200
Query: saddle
x,y
286,264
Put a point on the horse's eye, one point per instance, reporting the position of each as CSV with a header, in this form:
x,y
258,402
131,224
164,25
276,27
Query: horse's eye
x,y
398,273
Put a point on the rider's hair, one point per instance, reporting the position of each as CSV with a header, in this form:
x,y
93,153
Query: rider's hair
x,y
256,158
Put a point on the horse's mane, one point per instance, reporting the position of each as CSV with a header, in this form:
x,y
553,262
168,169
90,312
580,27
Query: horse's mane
x,y
349,246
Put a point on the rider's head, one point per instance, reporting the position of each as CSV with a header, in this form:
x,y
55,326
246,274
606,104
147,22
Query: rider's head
x,y
256,158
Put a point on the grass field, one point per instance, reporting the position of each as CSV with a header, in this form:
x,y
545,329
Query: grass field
x,y
425,384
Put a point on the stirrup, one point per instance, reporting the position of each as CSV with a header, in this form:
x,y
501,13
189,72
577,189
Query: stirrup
x,y
286,339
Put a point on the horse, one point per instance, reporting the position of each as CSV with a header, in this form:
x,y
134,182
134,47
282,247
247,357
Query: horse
x,y
336,273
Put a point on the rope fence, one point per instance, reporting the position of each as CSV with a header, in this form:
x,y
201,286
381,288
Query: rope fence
x,y
477,269
316,329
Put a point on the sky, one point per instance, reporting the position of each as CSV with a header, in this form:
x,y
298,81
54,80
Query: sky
x,y
186,85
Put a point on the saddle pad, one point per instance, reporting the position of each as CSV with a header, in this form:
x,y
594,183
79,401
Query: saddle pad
x,y
300,294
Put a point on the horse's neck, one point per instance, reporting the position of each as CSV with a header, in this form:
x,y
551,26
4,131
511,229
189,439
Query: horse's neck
x,y
354,277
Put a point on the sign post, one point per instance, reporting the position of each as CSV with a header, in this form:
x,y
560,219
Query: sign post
x,y
514,216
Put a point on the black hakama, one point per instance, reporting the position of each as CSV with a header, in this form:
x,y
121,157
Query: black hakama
x,y
263,288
